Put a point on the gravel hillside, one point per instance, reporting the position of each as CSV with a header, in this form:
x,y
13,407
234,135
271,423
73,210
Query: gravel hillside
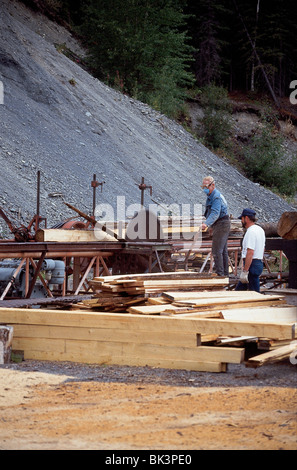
x,y
58,119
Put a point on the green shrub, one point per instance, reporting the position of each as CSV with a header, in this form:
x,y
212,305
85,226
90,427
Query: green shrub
x,y
265,163
216,121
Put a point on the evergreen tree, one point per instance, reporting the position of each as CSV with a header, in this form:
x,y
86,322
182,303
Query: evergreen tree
x,y
208,22
140,46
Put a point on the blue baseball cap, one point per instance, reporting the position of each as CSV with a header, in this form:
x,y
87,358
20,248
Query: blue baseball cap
x,y
248,213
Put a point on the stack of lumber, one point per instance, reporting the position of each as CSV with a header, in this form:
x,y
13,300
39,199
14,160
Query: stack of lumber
x,y
171,293
132,339
198,303
168,320
185,227
154,283
119,292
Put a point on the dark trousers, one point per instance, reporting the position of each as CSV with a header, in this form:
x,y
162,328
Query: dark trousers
x,y
220,234
255,271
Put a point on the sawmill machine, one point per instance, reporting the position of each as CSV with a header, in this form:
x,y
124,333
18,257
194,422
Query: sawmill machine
x,y
53,272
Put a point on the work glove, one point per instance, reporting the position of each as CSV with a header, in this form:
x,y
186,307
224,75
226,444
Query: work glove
x,y
244,277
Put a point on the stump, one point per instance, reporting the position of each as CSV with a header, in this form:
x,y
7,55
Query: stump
x,y
6,334
287,225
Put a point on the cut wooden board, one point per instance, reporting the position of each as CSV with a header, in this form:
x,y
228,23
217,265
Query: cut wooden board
x,y
126,360
180,283
178,323
276,314
226,302
72,235
206,301
276,355
94,350
106,334
154,276
181,295
170,309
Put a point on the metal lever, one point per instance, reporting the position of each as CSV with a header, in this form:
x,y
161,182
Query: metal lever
x,y
142,188
95,184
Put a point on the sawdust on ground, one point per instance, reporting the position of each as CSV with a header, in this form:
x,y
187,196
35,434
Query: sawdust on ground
x,y
48,411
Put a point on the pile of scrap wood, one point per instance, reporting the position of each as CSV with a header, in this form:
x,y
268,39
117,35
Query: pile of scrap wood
x,y
171,293
119,292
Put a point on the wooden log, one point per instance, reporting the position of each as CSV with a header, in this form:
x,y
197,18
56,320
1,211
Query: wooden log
x,y
269,228
287,225
6,335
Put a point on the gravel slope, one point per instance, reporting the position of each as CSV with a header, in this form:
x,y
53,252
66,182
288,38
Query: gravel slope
x,y
71,131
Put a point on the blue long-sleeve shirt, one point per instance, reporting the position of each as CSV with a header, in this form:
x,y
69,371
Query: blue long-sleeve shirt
x,y
216,207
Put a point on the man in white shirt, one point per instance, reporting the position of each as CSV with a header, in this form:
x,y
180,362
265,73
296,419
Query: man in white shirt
x,y
253,246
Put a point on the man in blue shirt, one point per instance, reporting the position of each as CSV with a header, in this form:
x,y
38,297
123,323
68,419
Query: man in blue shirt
x,y
216,215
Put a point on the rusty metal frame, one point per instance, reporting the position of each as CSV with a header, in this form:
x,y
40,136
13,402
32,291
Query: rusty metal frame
x,y
95,253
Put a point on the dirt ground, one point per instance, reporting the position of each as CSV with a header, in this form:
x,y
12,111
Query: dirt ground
x,y
62,406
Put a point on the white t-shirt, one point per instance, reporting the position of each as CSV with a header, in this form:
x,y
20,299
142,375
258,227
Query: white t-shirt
x,y
254,239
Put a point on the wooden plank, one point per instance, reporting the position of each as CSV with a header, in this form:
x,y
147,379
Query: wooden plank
x,y
154,276
96,349
158,301
285,314
147,323
70,235
237,339
106,334
280,291
181,295
221,281
148,309
192,312
276,355
169,309
225,302
128,361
